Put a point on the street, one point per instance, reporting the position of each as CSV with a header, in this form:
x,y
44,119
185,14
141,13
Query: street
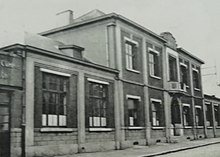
x,y
207,151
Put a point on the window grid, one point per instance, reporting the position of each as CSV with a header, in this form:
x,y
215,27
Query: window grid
x,y
130,50
97,105
154,64
54,100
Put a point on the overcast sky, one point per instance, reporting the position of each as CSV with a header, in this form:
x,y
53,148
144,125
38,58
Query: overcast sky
x,y
194,23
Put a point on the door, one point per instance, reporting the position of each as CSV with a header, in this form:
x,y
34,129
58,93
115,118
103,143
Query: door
x,y
4,124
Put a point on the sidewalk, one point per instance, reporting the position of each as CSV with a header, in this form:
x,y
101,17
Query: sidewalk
x,y
150,151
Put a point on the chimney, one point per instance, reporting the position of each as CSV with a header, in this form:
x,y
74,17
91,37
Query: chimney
x,y
64,18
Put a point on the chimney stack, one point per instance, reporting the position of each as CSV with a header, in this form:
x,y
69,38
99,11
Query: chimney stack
x,y
64,18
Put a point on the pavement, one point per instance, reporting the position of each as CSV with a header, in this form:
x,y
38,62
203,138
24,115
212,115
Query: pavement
x,y
151,151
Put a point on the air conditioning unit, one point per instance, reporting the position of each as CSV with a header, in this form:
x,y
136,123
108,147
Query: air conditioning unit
x,y
174,85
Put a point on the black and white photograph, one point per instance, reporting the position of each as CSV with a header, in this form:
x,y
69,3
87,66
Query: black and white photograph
x,y
100,78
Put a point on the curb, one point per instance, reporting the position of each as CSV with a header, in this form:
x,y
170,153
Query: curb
x,y
180,149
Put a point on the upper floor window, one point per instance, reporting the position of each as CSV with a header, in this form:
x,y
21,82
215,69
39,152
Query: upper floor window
x,y
54,100
172,68
131,55
196,80
154,62
183,75
98,104
156,113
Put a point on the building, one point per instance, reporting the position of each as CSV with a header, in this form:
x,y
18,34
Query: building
x,y
102,82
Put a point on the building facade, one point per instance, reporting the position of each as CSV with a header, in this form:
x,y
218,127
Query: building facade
x,y
102,82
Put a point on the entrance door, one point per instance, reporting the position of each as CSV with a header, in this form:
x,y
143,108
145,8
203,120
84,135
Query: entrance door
x,y
176,119
4,124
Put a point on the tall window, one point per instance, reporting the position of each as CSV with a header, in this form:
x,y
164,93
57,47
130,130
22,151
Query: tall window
x,y
172,68
217,115
183,75
98,104
154,63
54,100
196,80
186,115
198,114
208,110
156,113
132,111
131,55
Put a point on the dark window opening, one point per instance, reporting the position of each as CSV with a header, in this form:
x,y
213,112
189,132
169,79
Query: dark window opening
x,y
172,68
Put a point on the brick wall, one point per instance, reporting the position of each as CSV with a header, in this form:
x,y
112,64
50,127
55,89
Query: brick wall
x,y
41,139
134,134
100,136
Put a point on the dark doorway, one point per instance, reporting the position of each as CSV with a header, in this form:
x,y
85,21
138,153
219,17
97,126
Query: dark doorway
x,y
4,124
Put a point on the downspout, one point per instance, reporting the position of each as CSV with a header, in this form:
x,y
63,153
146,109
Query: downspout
x,y
23,125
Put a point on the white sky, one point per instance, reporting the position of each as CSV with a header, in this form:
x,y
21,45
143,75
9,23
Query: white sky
x,y
194,23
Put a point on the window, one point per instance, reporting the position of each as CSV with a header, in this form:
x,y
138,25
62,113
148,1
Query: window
x,y
183,75
131,55
172,68
156,113
98,104
208,111
217,116
132,111
198,114
196,80
154,63
186,115
54,100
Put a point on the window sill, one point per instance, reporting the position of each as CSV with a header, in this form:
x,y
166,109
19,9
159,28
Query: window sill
x,y
100,129
134,71
209,127
217,127
197,89
199,127
187,127
135,128
156,77
57,130
157,127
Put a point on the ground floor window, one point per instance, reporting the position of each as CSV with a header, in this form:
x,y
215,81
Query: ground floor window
x,y
208,111
132,112
156,112
217,115
186,115
198,115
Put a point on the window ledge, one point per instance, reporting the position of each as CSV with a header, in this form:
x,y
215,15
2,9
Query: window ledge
x,y
187,127
100,129
156,77
132,70
157,127
197,89
199,127
57,130
217,127
209,127
135,128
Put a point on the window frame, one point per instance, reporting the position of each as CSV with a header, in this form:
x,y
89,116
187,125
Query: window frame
x,y
158,112
154,63
91,115
196,80
217,115
198,115
175,73
209,118
51,74
187,116
136,99
131,54
186,82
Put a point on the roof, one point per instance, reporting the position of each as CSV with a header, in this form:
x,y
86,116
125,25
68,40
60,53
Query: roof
x,y
96,16
191,55
212,97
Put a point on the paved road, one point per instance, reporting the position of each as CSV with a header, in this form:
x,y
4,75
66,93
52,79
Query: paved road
x,y
207,151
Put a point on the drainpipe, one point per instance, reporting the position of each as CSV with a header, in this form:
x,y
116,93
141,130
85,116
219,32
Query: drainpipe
x,y
23,125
